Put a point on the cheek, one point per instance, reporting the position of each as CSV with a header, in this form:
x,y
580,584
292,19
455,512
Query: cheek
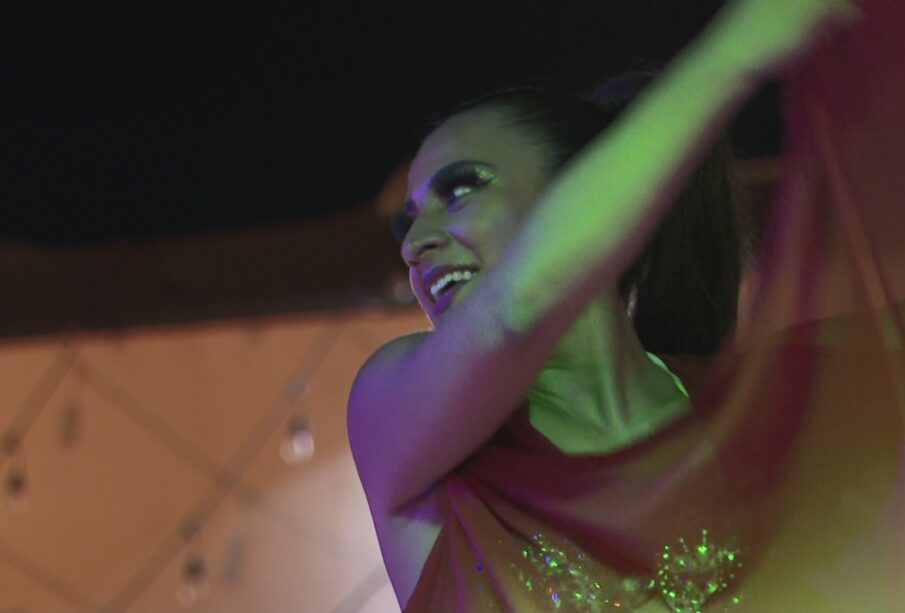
x,y
487,225
501,228
482,236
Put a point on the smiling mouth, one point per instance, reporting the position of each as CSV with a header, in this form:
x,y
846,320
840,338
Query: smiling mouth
x,y
449,283
445,299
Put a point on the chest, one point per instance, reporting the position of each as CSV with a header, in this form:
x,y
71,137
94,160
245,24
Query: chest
x,y
407,539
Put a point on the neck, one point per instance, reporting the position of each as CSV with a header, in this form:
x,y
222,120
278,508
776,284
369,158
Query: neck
x,y
599,376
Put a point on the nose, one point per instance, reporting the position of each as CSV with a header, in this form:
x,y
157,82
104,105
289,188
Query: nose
x,y
420,239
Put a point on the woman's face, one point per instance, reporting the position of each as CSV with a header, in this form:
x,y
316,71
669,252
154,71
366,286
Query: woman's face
x,y
470,187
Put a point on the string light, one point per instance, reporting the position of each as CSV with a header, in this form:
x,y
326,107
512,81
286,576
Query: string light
x,y
16,483
195,585
298,445
16,489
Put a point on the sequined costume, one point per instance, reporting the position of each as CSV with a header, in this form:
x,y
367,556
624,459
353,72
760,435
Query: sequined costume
x,y
783,488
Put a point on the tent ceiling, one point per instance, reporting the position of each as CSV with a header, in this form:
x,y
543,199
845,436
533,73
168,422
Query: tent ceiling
x,y
126,438
345,261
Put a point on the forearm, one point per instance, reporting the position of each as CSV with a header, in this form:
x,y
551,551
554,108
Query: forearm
x,y
606,205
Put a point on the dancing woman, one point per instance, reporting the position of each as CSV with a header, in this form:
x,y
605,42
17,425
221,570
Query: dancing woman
x,y
560,439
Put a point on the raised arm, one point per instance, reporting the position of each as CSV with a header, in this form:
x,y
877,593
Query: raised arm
x,y
639,165
423,403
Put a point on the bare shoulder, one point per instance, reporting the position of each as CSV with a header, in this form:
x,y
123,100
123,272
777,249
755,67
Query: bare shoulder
x,y
383,361
396,348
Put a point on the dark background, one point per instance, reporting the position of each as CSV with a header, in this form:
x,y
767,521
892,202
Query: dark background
x,y
137,120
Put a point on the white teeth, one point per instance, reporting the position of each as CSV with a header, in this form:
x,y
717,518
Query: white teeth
x,y
459,275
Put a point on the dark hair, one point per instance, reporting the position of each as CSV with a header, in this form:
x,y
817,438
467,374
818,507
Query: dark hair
x,y
682,290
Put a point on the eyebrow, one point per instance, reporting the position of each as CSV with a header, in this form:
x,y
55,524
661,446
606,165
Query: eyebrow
x,y
441,176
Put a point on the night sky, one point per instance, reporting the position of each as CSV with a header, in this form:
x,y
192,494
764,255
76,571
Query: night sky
x,y
138,120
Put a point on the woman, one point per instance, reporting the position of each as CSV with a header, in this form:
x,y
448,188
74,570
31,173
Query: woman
x,y
533,452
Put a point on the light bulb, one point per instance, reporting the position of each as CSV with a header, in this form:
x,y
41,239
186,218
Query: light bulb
x,y
195,585
299,442
16,489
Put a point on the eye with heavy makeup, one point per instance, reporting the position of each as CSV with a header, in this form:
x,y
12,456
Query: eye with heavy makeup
x,y
452,184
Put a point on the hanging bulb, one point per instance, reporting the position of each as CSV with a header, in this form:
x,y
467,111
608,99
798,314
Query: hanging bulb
x,y
16,489
195,585
299,442
16,484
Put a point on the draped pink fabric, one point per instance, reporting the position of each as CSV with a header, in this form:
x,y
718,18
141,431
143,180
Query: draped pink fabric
x,y
784,488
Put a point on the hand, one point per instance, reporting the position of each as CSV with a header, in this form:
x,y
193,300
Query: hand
x,y
766,37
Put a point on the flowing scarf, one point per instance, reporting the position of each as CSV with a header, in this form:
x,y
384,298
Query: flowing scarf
x,y
783,489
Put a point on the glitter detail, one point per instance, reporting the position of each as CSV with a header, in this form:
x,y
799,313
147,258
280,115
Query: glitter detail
x,y
562,576
688,576
564,581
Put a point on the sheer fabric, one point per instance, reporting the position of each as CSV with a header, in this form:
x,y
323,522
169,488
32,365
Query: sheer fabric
x,y
783,489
